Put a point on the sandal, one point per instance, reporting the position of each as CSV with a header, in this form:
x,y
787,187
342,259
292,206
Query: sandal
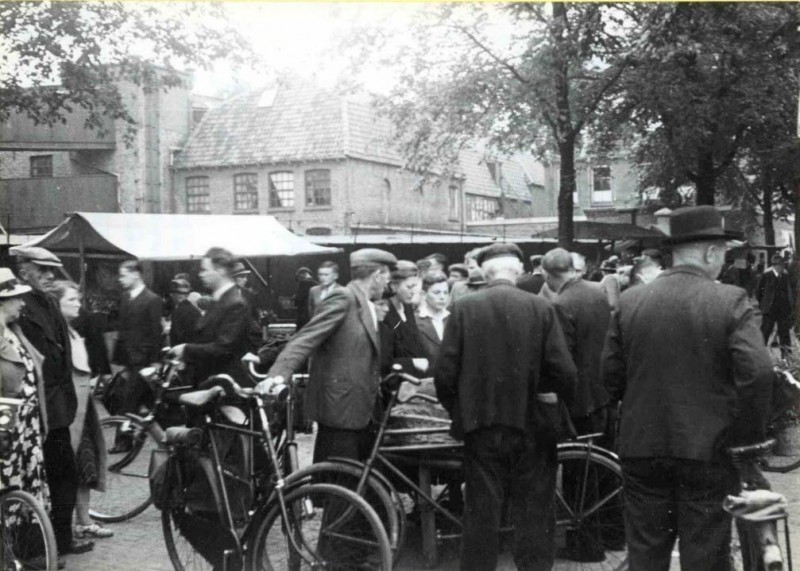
x,y
92,530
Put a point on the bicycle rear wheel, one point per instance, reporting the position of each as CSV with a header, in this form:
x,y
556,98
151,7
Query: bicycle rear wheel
x,y
327,527
28,540
589,512
127,491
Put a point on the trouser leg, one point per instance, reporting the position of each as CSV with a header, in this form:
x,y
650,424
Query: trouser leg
x,y
767,325
784,333
650,513
62,479
342,443
704,528
485,475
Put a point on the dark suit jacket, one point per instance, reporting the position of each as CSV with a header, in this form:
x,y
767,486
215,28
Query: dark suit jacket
x,y
501,346
44,326
584,314
302,302
430,340
686,356
775,294
344,370
139,340
221,339
185,318
532,283
92,326
407,342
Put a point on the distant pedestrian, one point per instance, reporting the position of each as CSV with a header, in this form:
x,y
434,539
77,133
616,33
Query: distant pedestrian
x,y
501,347
328,277
457,273
775,296
302,299
185,315
533,281
685,355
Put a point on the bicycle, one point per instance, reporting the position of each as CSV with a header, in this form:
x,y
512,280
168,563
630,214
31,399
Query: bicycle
x,y
788,383
221,511
27,540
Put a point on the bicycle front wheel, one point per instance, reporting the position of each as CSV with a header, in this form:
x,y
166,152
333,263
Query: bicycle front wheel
x,y
28,541
326,527
589,512
127,491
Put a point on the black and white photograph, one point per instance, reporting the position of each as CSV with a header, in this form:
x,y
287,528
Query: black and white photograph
x,y
399,285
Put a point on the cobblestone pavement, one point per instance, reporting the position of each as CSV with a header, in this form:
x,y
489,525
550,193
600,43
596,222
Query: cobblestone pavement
x,y
139,545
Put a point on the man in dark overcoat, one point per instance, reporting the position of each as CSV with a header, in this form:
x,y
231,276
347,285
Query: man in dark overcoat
x,y
685,355
185,315
502,347
44,326
222,336
343,343
533,281
775,295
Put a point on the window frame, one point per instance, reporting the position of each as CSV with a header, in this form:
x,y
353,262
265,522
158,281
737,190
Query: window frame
x,y
241,189
477,208
453,202
605,198
34,169
190,203
311,192
275,192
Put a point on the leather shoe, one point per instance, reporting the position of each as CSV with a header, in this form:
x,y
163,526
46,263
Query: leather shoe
x,y
77,547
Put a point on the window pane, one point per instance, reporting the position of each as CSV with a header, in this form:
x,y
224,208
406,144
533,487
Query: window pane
x,y
245,191
281,190
197,194
601,184
42,166
482,208
318,187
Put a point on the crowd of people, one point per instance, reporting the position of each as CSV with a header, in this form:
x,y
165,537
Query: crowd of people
x,y
668,363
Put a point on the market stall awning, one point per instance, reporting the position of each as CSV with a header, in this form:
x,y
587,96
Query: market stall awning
x,y
162,237
606,231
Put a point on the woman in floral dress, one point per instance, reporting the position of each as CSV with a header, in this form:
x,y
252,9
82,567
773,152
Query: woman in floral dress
x,y
22,466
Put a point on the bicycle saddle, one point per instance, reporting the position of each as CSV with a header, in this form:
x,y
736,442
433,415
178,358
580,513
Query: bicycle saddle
x,y
201,398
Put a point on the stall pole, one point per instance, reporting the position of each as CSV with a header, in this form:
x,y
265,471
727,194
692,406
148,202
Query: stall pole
x,y
82,256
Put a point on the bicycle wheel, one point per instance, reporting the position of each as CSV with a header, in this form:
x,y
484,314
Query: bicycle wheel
x,y
375,493
28,540
196,541
589,512
327,527
127,486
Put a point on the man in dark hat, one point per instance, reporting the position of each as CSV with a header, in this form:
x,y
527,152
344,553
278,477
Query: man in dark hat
x,y
42,323
343,340
533,282
501,348
775,296
184,316
686,357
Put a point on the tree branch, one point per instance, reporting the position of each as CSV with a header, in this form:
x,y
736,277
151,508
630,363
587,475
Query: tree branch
x,y
589,109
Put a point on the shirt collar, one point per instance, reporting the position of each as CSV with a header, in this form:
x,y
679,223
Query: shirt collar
x,y
776,272
136,291
220,291
425,311
684,270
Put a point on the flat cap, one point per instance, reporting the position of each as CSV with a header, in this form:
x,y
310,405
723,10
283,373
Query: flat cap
x,y
557,261
37,255
504,250
404,269
302,270
778,259
239,269
460,268
372,257
179,285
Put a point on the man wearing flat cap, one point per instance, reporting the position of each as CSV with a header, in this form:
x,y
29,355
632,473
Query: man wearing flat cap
x,y
42,323
342,341
775,296
502,347
184,316
686,357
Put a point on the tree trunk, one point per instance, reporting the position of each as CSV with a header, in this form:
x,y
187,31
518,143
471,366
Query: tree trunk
x,y
766,208
566,230
706,179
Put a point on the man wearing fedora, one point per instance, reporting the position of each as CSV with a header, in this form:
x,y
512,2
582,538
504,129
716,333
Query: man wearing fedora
x,y
685,355
44,326
502,347
775,296
342,341
184,316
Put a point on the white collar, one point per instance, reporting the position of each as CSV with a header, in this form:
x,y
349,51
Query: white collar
x,y
399,306
776,272
220,291
425,311
134,293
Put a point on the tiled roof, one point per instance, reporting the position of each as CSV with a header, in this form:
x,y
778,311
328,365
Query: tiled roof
x,y
478,179
303,123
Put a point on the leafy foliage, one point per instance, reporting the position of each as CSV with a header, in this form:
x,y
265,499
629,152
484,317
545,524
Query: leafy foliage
x,y
57,56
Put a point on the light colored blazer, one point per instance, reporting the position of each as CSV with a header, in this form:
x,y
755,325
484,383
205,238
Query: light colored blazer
x,y
12,369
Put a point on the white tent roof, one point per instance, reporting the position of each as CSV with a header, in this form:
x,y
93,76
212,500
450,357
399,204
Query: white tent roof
x,y
174,236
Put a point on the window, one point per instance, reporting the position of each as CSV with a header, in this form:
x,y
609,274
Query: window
x,y
197,194
281,189
482,208
318,187
452,202
245,191
601,185
42,166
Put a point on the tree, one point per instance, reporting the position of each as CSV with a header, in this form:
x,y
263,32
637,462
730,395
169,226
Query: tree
x,y
58,56
707,76
527,77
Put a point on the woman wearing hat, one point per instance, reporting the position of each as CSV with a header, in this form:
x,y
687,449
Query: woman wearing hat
x,y
21,378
